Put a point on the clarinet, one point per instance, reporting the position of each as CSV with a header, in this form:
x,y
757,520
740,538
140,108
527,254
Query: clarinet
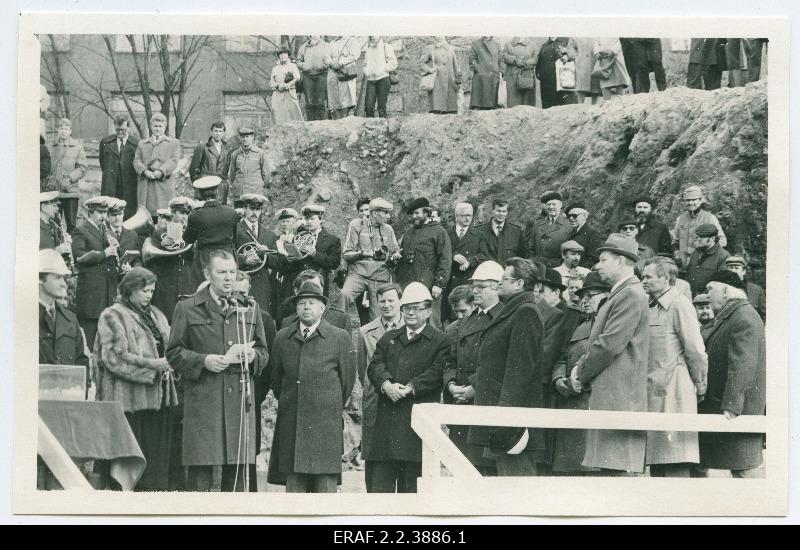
x,y
112,241
62,229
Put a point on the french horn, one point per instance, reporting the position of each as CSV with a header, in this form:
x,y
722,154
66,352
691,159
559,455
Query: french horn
x,y
304,242
250,252
150,250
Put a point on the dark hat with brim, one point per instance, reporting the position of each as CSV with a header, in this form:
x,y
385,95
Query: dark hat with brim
x,y
549,196
593,281
420,202
728,278
309,289
552,279
622,245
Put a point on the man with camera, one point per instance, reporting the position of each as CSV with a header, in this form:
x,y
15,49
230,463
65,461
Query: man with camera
x,y
370,251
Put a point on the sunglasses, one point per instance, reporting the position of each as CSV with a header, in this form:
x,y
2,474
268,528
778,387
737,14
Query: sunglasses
x,y
413,309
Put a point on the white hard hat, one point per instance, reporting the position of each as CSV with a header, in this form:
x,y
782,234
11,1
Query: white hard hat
x,y
415,293
50,261
488,271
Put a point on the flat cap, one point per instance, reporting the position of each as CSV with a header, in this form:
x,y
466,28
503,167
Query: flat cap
x,y
728,278
284,213
549,196
181,203
96,203
735,260
692,192
246,131
420,202
706,230
380,204
701,299
572,246
311,209
254,199
48,196
207,182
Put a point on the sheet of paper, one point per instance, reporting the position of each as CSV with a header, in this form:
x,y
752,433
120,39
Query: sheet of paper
x,y
232,356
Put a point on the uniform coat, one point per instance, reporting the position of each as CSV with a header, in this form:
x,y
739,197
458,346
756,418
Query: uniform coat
x,y
737,372
590,240
655,234
210,227
703,264
509,243
248,172
260,281
685,237
461,366
60,339
119,176
311,379
444,97
164,156
68,162
418,363
212,401
174,278
368,337
467,246
429,247
126,355
486,65
97,275
616,368
547,237
327,257
519,54
49,234
703,51
509,370
677,372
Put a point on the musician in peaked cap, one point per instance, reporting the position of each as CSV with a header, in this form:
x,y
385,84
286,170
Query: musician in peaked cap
x,y
550,231
250,229
209,227
128,240
171,261
756,295
50,233
96,257
249,168
708,257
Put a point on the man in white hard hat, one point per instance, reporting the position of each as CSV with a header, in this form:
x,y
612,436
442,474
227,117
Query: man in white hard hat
x,y
405,369
60,336
462,363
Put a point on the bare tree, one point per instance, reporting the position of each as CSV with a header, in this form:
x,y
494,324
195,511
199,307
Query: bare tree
x,y
52,64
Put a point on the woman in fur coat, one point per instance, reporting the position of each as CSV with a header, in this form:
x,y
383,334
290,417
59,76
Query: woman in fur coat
x,y
132,370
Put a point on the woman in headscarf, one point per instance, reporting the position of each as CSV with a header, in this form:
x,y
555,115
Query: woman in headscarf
x,y
283,83
441,58
609,67
132,370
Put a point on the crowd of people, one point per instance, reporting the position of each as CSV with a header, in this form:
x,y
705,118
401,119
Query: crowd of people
x,y
191,321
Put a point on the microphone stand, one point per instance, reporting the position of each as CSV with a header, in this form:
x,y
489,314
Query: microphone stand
x,y
244,338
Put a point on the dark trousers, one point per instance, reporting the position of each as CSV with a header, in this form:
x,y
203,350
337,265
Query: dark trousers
x,y
393,476
553,98
310,483
681,469
630,59
201,479
648,57
69,206
523,464
377,90
153,430
703,77
315,88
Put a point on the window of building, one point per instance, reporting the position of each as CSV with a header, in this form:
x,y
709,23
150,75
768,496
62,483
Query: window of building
x,y
243,109
137,106
122,45
54,42
250,43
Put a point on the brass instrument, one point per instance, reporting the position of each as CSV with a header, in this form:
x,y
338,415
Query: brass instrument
x,y
305,242
150,250
139,219
252,253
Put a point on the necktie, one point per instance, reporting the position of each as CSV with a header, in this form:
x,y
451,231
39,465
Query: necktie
x,y
481,313
305,333
254,230
118,234
119,145
388,326
51,312
461,232
223,305
412,335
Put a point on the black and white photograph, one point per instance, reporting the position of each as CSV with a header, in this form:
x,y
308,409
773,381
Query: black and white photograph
x,y
429,273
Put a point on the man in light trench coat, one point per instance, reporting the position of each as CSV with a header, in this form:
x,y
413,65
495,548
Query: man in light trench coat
x,y
616,363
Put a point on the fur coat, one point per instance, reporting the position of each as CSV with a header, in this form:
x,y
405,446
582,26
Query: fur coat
x,y
128,368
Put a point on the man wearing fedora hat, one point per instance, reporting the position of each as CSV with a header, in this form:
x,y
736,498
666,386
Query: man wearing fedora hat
x,y
313,368
736,348
616,363
707,258
549,231
755,293
685,237
248,169
653,232
211,226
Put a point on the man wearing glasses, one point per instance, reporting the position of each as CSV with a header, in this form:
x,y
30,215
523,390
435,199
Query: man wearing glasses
x,y
405,369
584,234
464,242
509,372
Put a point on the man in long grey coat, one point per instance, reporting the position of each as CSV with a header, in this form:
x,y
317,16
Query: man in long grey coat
x,y
737,372
616,363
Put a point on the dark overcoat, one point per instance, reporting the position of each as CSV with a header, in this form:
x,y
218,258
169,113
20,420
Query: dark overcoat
x,y
509,243
207,162
737,372
703,264
510,366
312,380
616,368
60,339
49,234
174,278
546,239
655,234
260,281
418,363
97,275
757,298
486,64
119,177
211,408
590,239
327,257
210,227
553,320
467,246
426,256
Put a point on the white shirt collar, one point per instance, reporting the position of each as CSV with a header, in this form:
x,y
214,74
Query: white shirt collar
x,y
487,310
397,324
415,331
214,295
46,307
312,329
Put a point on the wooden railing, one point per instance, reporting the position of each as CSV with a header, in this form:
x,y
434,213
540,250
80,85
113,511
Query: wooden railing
x,y
59,462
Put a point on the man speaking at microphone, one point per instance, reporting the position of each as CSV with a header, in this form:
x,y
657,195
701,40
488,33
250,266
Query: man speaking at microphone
x,y
204,327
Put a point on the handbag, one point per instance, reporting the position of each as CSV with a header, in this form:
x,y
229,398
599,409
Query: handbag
x,y
526,80
348,71
603,68
566,78
502,93
428,81
393,78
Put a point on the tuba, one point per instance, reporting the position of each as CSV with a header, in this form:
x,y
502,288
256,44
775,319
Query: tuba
x,y
140,219
150,250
